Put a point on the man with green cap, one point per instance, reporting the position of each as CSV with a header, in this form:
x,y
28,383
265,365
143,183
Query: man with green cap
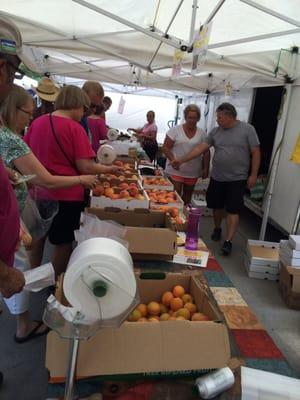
x,y
11,279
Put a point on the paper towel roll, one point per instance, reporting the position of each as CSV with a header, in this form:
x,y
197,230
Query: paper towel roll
x,y
106,154
99,281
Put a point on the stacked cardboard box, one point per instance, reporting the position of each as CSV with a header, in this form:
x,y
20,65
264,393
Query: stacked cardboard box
x,y
262,259
289,283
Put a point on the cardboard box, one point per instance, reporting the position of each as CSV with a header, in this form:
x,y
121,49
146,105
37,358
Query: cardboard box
x,y
176,203
294,241
123,204
166,347
263,253
167,186
150,234
289,285
257,271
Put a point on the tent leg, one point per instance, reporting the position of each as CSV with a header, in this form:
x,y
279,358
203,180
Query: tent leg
x,y
69,386
270,189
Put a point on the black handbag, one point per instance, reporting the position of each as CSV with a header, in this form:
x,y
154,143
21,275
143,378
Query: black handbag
x,y
86,199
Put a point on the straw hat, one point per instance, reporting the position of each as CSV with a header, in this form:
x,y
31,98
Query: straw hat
x,y
47,90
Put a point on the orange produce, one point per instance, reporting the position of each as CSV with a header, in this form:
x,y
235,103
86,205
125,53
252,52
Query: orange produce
x,y
172,318
166,298
187,298
134,316
183,312
164,317
143,319
163,309
180,318
191,307
200,317
178,291
153,308
123,185
108,192
142,309
153,319
176,303
124,194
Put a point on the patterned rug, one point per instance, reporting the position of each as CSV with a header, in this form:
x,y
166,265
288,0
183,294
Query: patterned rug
x,y
250,345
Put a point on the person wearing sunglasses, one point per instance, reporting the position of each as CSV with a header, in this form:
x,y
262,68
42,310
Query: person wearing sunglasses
x,y
16,112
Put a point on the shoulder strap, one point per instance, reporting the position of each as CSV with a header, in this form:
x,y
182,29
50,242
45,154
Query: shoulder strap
x,y
59,145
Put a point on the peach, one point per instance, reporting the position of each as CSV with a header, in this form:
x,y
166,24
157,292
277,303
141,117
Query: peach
x,y
178,291
142,309
187,298
153,308
200,317
183,312
124,194
191,307
164,317
119,163
124,185
134,316
108,192
176,303
163,309
166,298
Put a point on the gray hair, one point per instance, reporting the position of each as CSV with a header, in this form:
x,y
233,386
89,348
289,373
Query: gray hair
x,y
228,109
194,108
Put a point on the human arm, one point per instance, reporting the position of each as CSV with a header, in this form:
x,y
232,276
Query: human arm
x,y
167,148
205,164
255,163
197,151
28,164
11,280
89,166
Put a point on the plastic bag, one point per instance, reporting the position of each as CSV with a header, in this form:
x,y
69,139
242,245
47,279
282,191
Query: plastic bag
x,y
39,278
38,216
91,226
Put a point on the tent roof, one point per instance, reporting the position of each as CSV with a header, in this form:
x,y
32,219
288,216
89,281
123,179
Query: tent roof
x,y
133,41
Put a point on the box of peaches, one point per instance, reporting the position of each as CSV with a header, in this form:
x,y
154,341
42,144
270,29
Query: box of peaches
x,y
126,194
177,330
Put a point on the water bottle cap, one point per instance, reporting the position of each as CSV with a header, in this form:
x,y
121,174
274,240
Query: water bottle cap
x,y
99,288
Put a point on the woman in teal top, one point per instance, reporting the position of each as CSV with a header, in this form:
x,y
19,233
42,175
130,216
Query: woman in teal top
x,y
15,114
11,148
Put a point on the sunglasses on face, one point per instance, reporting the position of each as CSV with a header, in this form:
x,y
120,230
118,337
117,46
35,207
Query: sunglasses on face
x,y
29,113
18,73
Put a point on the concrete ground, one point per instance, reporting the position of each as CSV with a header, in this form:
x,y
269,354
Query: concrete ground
x,y
25,377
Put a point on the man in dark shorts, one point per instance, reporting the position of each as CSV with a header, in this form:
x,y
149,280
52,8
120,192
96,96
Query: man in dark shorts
x,y
236,151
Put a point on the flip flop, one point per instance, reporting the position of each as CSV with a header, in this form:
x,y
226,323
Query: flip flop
x,y
32,334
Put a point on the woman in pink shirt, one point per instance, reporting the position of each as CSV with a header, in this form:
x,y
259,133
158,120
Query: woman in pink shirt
x,y
62,146
97,127
148,136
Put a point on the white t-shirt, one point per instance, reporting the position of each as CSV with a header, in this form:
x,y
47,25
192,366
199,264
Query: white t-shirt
x,y
182,146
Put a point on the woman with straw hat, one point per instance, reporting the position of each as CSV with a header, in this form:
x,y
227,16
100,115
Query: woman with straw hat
x,y
47,93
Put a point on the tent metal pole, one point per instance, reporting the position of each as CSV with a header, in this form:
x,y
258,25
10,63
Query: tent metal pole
x,y
253,38
271,12
154,35
167,30
214,11
296,222
193,21
270,189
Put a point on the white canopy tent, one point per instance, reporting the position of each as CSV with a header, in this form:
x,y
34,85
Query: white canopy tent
x,y
132,42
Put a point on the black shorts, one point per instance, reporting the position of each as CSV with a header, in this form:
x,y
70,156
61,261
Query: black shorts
x,y
228,195
65,222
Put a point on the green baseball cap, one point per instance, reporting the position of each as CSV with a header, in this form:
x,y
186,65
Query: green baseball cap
x,y
10,38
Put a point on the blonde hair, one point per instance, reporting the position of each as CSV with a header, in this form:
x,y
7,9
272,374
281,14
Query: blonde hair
x,y
192,107
91,87
17,98
71,97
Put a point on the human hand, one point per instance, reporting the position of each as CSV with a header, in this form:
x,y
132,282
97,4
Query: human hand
x,y
88,181
176,164
13,283
251,181
115,168
205,173
13,176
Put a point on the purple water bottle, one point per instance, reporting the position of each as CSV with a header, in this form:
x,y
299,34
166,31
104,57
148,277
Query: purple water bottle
x,y
191,241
